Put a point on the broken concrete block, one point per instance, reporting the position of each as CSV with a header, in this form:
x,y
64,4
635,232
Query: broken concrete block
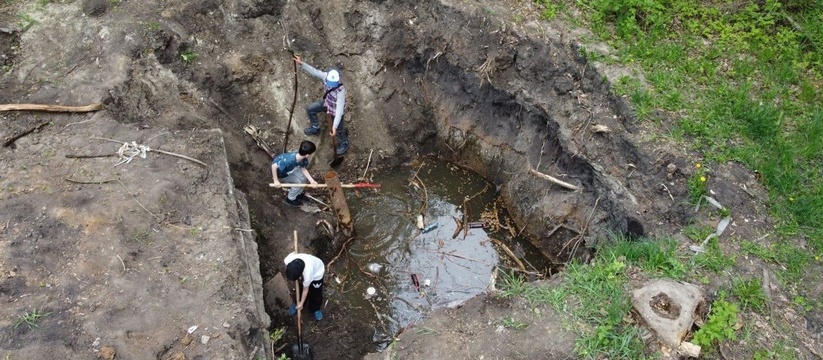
x,y
667,307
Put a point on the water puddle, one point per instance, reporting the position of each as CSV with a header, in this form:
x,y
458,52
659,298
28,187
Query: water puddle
x,y
394,273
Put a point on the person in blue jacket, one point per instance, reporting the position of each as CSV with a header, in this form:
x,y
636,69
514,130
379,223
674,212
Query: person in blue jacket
x,y
291,168
333,103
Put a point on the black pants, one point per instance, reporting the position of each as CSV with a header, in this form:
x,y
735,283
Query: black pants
x,y
315,297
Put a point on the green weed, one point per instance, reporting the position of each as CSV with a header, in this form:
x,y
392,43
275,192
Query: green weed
x,y
697,183
749,293
425,330
714,259
720,325
30,319
512,284
188,56
510,323
779,351
654,257
276,335
27,22
152,26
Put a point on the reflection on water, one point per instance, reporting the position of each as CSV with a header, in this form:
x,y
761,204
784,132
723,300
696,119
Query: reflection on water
x,y
419,271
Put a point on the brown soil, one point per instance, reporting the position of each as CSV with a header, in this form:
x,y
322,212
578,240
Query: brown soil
x,y
128,262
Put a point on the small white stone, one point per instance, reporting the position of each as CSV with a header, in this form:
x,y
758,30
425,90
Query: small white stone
x,y
204,339
226,325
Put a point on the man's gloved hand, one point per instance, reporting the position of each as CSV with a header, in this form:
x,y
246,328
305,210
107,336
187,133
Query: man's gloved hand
x,y
292,310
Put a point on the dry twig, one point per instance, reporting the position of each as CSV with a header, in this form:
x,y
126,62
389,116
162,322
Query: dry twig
x,y
554,180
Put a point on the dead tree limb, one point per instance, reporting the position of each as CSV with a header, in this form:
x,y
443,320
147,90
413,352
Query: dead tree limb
x,y
50,108
90,181
511,254
555,180
11,139
79,156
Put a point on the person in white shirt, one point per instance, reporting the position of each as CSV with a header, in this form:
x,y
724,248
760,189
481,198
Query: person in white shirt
x,y
311,269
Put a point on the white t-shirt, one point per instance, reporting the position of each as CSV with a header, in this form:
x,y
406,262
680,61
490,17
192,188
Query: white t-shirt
x,y
314,269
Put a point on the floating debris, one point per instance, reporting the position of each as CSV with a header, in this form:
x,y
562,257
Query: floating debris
x,y
430,227
375,268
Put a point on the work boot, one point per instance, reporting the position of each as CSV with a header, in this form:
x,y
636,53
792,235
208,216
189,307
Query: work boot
x,y
311,130
296,202
318,315
342,148
302,197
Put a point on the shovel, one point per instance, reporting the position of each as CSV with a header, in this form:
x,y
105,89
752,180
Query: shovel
x,y
299,351
336,159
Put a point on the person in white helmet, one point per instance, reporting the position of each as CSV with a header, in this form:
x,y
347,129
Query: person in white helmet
x,y
333,103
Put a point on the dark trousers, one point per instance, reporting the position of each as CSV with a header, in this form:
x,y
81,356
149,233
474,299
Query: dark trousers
x,y
317,107
315,297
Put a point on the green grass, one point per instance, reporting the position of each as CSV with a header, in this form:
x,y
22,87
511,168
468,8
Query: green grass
x,y
188,56
792,259
510,323
714,259
595,295
743,81
30,319
749,292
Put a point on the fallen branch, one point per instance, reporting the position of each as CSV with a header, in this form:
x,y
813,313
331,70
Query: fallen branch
x,y
425,208
510,253
90,181
76,156
555,180
50,108
11,139
368,163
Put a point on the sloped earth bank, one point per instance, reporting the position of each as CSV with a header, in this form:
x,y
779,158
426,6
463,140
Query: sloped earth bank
x,y
474,82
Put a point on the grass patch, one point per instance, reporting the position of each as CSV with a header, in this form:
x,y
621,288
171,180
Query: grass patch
x,y
790,257
30,319
654,257
596,295
188,56
744,81
713,259
510,323
749,293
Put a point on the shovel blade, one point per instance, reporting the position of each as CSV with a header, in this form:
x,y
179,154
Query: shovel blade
x,y
338,159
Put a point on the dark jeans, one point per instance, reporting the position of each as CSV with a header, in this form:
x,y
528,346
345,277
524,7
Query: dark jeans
x,y
315,297
317,107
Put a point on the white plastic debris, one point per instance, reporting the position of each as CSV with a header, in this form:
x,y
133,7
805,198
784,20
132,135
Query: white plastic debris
x,y
371,291
375,268
427,282
192,329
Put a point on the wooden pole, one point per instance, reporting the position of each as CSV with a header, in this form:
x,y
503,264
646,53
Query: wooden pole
x,y
297,295
340,207
51,108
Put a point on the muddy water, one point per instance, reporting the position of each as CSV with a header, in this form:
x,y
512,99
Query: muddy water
x,y
449,269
